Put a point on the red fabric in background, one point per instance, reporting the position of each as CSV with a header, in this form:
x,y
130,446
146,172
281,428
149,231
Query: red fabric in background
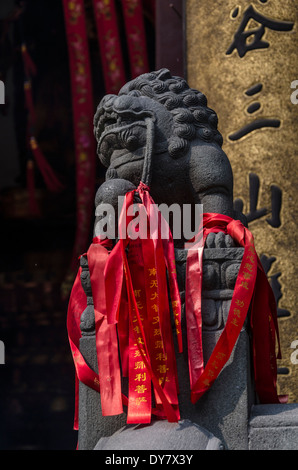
x,y
135,36
83,113
110,47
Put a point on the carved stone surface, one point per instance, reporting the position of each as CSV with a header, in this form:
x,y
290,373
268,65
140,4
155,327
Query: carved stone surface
x,y
179,436
274,427
87,318
161,117
161,132
224,409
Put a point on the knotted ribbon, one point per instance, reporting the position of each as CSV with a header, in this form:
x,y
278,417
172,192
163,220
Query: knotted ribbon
x,y
108,379
128,280
131,305
142,272
252,291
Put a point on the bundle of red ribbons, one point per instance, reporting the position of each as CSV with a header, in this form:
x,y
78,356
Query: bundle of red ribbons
x,y
135,295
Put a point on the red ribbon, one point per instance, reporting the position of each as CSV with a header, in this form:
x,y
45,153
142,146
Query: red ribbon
x,y
106,335
145,323
252,289
108,380
139,399
29,105
83,112
132,306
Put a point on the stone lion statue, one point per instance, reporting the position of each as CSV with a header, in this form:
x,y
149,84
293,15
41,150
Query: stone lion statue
x,y
160,115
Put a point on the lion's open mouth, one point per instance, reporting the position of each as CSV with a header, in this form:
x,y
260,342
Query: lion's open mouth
x,y
120,159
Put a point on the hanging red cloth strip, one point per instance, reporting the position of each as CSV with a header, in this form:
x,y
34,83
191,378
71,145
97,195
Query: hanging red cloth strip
x,y
139,398
135,36
106,335
129,294
144,273
253,290
110,46
83,112
108,380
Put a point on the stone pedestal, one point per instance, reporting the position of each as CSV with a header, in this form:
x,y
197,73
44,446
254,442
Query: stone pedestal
x,y
224,410
274,427
92,425
161,435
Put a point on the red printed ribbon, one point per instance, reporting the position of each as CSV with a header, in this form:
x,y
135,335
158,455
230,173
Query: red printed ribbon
x,y
83,112
106,335
109,44
145,322
252,288
108,380
130,293
139,398
136,37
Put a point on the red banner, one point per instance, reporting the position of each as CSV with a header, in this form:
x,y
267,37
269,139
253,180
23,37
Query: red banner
x,y
135,36
83,112
110,45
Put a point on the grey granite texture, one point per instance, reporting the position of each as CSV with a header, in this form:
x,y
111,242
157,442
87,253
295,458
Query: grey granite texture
x,y
161,435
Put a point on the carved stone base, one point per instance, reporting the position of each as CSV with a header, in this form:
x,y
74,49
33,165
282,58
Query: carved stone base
x,y
92,425
224,410
161,435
